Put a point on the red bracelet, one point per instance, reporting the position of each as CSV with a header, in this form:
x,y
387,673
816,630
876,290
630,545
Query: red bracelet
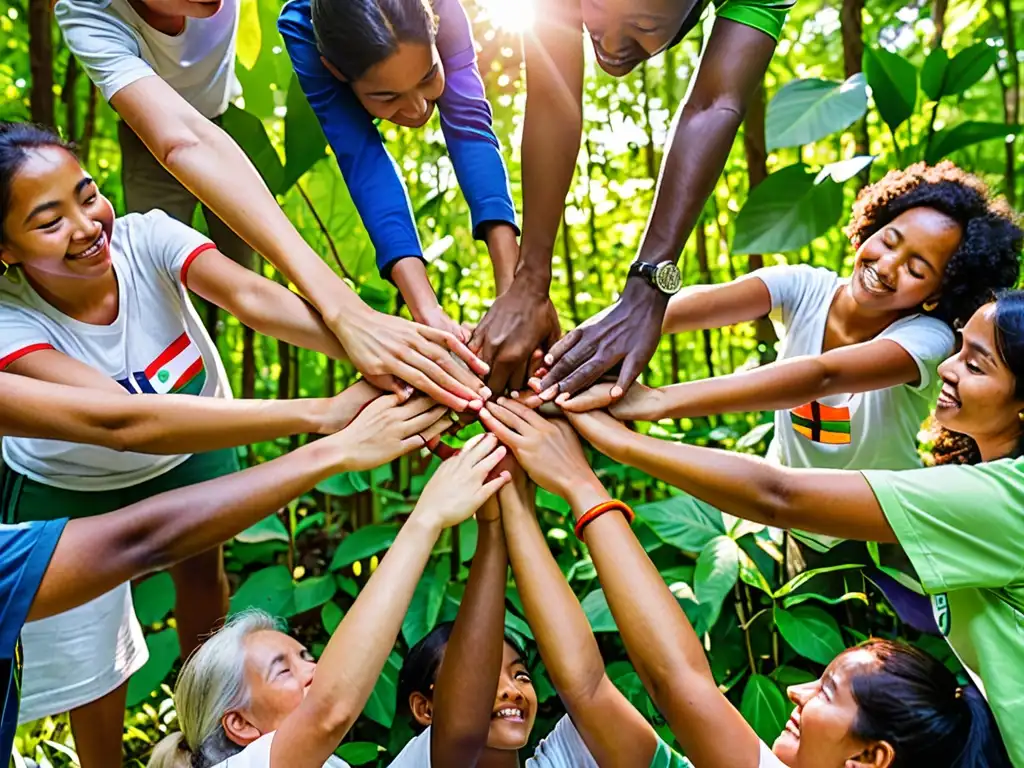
x,y
595,512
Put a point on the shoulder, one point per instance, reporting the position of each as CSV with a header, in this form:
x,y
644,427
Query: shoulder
x,y
93,26
563,747
455,42
295,20
415,754
924,337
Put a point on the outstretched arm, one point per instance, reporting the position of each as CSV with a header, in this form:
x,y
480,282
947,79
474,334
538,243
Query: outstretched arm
x,y
355,655
165,423
833,502
702,134
263,305
464,692
96,554
661,643
566,642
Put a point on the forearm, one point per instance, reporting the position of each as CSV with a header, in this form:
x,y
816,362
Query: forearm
x,y
214,169
504,249
410,276
359,648
698,307
563,635
464,693
275,311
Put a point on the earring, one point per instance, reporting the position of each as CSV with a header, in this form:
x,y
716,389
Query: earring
x,y
1021,417
3,268
929,306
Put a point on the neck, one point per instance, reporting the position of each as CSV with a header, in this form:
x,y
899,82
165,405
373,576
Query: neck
x,y
169,25
994,447
859,324
93,301
498,758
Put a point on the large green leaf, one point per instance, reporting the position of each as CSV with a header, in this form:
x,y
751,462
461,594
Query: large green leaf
x,y
269,528
804,111
380,707
163,652
683,521
893,82
345,484
304,140
595,606
968,67
421,618
718,567
359,752
312,593
250,36
949,140
765,707
802,578
787,211
811,632
364,542
270,590
154,598
248,131
331,616
933,74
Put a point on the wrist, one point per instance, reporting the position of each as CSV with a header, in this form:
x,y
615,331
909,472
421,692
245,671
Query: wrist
x,y
422,521
329,456
310,415
586,495
638,291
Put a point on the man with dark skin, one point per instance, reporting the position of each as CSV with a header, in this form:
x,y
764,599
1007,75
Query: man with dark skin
x,y
624,34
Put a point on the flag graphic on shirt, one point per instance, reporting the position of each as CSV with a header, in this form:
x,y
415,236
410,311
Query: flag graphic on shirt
x,y
822,423
178,370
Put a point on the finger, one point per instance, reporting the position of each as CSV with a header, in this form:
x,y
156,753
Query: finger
x,y
579,355
448,392
598,396
416,406
498,428
584,376
498,381
531,400
426,420
519,376
631,368
528,415
464,353
509,418
492,486
562,347
479,447
379,405
490,460
432,434
445,365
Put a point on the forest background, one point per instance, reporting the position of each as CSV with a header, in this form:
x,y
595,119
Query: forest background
x,y
855,88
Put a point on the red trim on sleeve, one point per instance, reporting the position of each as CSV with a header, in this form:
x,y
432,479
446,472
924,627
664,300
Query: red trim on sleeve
x,y
19,353
191,257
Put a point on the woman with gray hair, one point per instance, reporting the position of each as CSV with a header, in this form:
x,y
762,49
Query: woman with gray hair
x,y
249,698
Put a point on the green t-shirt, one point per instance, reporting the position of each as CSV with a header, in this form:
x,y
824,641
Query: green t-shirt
x,y
766,15
963,528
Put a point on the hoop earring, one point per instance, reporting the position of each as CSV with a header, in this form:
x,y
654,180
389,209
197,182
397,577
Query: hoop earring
x,y
930,306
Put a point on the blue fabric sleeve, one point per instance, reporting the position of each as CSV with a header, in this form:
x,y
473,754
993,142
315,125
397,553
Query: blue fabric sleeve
x,y
467,122
370,174
25,552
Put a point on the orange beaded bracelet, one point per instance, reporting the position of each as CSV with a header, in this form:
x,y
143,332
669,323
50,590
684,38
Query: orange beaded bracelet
x,y
595,512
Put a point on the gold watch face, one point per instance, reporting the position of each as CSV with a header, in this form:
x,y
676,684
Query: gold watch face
x,y
667,278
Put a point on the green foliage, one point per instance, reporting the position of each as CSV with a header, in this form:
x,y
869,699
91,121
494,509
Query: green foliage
x,y
765,626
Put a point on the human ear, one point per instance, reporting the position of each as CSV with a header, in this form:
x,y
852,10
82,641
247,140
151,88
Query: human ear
x,y
333,70
238,729
422,709
878,755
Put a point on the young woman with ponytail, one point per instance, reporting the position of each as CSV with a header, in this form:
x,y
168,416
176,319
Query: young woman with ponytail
x,y
961,526
879,705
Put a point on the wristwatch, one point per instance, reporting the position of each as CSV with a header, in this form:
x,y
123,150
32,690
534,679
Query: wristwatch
x,y
664,276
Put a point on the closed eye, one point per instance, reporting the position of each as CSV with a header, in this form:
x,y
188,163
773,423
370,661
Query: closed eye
x,y
50,225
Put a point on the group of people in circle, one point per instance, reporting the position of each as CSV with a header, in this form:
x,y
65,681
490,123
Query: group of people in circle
x,y
119,427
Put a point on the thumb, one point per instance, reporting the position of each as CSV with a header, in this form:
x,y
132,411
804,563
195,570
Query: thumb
x,y
631,368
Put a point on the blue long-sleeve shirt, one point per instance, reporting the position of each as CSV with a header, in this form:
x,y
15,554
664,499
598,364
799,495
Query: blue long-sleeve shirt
x,y
371,175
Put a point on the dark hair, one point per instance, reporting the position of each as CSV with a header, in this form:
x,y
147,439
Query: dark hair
x,y
988,257
956,448
422,663
17,140
354,35
917,705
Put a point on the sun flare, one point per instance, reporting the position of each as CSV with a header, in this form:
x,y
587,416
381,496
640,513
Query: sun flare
x,y
510,15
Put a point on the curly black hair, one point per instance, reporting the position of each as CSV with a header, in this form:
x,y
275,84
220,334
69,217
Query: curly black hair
x,y
988,258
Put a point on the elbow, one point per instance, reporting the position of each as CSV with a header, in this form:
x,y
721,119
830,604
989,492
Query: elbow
x,y
779,495
171,150
718,109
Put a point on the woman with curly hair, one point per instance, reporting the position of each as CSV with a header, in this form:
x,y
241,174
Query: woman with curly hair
x,y
855,376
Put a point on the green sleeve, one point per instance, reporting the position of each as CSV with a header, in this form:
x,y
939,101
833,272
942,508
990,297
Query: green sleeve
x,y
765,15
666,757
963,527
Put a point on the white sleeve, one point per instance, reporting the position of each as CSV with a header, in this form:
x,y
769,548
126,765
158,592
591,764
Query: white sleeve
x,y
104,45
768,758
791,285
562,748
19,334
256,755
416,753
927,340
167,243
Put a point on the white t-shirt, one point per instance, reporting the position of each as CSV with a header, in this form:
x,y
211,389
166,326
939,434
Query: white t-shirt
x,y
116,48
156,345
867,430
257,755
562,748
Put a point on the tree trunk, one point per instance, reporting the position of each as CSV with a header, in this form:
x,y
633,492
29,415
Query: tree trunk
x,y
570,271
705,279
851,18
69,97
757,170
40,56
1011,99
939,20
284,380
248,363
89,129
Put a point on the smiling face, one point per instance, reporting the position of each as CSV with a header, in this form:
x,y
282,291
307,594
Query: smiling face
x,y
979,392
515,704
900,267
818,734
403,88
628,32
58,225
278,673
